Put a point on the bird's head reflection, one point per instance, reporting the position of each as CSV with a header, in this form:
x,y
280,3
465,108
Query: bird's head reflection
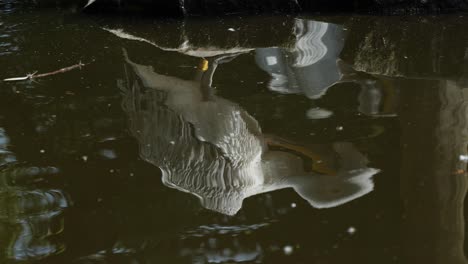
x,y
212,148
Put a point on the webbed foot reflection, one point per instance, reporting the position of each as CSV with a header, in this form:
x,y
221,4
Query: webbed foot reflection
x,y
212,148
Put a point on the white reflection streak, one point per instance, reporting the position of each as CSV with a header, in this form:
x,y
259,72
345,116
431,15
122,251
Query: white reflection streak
x,y
309,46
184,48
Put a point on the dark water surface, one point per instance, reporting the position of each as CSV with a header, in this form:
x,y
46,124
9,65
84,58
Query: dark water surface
x,y
267,139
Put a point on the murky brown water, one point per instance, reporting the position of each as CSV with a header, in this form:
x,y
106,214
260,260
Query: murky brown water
x,y
267,139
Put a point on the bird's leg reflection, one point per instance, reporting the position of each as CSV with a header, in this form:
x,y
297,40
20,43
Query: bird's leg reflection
x,y
319,163
212,148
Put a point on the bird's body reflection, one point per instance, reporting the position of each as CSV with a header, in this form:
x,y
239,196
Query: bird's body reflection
x,y
212,148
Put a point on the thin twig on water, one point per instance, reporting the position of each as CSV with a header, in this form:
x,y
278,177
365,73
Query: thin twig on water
x,y
34,75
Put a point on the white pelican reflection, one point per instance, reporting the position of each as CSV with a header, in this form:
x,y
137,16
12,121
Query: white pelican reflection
x,y
212,148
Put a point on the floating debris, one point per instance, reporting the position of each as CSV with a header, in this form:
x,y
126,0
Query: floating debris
x,y
34,75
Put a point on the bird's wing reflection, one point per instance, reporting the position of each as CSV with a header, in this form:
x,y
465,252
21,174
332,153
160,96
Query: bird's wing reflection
x,y
214,149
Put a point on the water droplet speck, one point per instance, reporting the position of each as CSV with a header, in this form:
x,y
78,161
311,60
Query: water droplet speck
x,y
288,250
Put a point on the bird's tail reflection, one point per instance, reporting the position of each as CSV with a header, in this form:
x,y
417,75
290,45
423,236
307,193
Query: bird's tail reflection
x,y
344,174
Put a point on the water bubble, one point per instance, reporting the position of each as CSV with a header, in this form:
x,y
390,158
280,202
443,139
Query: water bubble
x,y
288,250
339,128
318,113
293,205
463,158
351,230
212,243
108,153
228,252
231,29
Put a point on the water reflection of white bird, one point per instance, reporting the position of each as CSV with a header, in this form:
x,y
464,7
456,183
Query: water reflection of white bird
x,y
210,147
313,66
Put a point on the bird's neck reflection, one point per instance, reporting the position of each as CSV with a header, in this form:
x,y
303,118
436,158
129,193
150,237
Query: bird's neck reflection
x,y
212,148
